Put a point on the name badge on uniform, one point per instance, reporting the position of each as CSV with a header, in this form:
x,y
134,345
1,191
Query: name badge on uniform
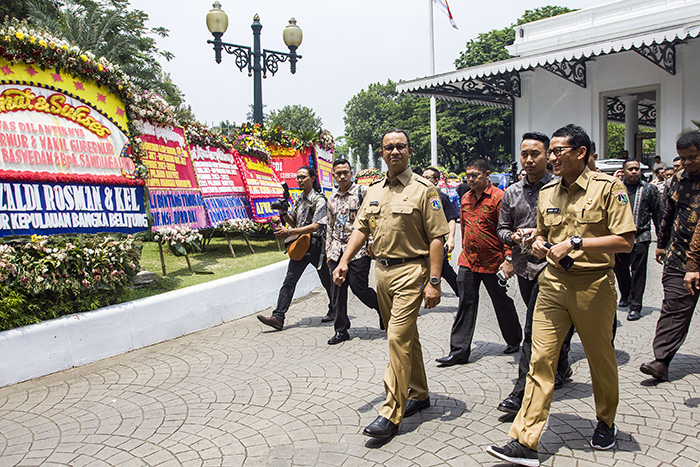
x,y
553,210
374,203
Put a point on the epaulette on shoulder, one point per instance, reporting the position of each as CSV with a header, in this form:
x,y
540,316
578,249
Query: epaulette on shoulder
x,y
603,177
377,181
422,181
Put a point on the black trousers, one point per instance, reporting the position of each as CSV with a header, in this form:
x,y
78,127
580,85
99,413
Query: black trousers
x,y
465,320
294,271
357,279
632,282
677,310
529,290
449,274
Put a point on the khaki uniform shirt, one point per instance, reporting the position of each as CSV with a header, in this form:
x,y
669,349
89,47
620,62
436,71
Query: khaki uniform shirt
x,y
593,206
402,215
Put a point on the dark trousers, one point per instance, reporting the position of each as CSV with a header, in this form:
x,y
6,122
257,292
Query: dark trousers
x,y
357,279
465,320
449,274
677,310
529,290
632,282
294,271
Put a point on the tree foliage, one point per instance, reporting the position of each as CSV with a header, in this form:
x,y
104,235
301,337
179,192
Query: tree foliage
x,y
107,28
297,119
491,46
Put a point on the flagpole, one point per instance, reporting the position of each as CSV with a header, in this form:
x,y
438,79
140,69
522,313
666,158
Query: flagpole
x,y
433,108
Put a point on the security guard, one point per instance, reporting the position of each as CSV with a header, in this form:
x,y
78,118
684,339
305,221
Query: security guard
x,y
587,218
403,213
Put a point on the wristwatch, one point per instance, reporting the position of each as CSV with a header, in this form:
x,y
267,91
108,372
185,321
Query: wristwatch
x,y
576,242
434,280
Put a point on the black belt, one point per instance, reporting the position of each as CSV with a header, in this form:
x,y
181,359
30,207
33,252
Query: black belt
x,y
386,262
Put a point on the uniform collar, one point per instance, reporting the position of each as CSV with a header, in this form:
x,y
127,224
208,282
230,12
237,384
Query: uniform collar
x,y
404,177
582,181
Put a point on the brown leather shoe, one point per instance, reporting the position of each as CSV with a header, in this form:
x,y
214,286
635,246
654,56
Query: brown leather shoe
x,y
656,369
271,321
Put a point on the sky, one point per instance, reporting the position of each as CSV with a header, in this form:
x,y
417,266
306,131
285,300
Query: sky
x,y
347,46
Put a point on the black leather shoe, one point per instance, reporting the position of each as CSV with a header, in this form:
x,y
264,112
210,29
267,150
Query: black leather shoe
x,y
414,406
338,338
510,404
450,360
271,321
633,315
624,302
381,428
560,379
327,319
511,349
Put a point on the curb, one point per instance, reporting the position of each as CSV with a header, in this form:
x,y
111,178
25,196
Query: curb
x,y
74,340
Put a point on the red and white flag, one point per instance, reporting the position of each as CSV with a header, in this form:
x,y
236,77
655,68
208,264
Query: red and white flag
x,y
446,8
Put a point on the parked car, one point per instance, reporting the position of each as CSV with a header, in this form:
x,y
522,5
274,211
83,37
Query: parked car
x,y
610,166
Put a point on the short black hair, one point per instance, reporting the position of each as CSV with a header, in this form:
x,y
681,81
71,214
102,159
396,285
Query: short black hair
x,y
537,136
395,130
630,159
657,157
341,161
676,159
686,140
436,172
479,163
576,136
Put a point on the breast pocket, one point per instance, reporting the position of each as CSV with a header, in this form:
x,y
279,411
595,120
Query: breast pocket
x,y
591,223
552,219
401,216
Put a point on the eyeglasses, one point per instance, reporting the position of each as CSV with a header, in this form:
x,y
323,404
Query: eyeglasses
x,y
473,175
391,147
558,151
302,177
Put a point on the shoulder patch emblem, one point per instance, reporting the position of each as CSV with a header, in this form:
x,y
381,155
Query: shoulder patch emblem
x,y
434,200
621,197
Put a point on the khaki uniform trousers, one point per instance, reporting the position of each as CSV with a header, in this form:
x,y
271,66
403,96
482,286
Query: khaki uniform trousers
x,y
589,301
400,294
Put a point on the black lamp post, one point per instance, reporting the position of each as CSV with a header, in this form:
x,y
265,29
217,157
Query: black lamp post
x,y
258,62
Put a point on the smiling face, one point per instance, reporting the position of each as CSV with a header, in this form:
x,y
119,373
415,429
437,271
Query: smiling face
x,y
567,160
533,158
395,152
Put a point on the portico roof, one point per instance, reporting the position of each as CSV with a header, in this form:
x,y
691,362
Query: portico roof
x,y
563,44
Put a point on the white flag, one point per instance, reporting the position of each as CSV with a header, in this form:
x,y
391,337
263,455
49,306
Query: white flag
x,y
446,8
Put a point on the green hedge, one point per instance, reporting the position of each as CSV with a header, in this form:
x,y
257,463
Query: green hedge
x,y
47,277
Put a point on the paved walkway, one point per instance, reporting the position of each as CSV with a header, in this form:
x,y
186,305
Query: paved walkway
x,y
238,395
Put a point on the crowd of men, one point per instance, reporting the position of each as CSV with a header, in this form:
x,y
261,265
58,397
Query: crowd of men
x,y
566,233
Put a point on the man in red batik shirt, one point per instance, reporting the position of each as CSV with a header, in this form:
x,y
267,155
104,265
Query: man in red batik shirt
x,y
482,254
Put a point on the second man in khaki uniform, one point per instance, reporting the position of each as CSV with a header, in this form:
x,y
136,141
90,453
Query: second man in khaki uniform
x,y
402,212
585,217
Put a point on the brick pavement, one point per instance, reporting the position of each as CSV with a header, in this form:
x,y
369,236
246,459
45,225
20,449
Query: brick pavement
x,y
239,394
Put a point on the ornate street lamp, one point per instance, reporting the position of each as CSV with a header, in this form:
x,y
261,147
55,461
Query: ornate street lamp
x,y
258,62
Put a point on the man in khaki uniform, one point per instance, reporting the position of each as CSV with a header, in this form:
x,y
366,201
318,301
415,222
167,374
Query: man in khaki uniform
x,y
584,217
402,212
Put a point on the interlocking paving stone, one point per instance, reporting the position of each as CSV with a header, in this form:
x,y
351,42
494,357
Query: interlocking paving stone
x,y
239,394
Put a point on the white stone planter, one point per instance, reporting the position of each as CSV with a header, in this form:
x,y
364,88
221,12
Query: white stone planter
x,y
75,340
